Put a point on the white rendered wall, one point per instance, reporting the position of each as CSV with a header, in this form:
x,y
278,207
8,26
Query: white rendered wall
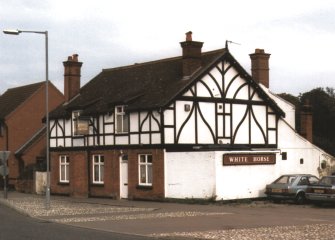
x,y
287,107
203,175
189,175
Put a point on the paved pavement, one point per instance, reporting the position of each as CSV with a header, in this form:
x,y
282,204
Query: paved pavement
x,y
256,220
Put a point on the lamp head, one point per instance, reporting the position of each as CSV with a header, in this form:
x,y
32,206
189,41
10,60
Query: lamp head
x,y
12,31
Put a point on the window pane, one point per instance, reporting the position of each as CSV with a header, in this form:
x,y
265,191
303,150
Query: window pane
x,y
142,174
125,123
119,123
67,174
96,173
150,174
142,158
149,157
62,172
102,173
119,110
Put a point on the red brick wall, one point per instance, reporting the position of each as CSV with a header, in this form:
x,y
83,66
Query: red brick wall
x,y
24,122
111,186
157,190
78,185
81,175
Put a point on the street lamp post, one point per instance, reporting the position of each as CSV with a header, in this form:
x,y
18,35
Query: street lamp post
x,y
17,32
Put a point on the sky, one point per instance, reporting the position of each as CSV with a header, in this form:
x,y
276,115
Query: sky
x,y
299,35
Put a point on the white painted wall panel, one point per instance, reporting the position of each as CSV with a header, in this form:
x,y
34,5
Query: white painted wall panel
x,y
120,140
204,131
144,120
189,175
52,142
109,128
78,142
134,139
238,182
68,127
109,140
145,139
169,135
188,131
168,117
156,138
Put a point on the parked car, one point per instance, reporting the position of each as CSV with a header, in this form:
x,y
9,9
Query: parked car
x,y
322,191
290,187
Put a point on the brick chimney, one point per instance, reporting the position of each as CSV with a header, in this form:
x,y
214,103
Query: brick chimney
x,y
191,55
71,77
260,66
306,121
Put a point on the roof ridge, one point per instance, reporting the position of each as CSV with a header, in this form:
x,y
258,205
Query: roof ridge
x,y
157,61
28,85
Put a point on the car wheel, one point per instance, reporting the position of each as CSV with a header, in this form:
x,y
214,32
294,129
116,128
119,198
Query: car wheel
x,y
300,198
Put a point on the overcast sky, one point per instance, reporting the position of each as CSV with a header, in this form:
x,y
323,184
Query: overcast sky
x,y
299,35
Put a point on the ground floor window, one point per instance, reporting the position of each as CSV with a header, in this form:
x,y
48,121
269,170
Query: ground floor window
x,y
145,169
98,169
64,169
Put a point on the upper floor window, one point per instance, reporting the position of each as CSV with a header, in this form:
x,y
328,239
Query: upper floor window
x,y
145,169
98,169
122,120
80,124
64,169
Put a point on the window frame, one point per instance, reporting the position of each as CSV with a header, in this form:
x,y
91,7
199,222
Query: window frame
x,y
120,112
66,165
148,170
100,164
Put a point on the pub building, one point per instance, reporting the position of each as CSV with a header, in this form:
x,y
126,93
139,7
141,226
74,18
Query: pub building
x,y
192,126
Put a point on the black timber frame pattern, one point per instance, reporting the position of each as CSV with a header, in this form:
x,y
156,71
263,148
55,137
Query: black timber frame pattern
x,y
97,136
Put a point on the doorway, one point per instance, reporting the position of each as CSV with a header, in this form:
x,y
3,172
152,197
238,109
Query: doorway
x,y
124,176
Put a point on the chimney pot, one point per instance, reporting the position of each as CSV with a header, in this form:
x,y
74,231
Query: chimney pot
x,y
75,57
189,36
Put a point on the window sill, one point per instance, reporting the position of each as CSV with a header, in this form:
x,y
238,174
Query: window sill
x,y
64,183
97,184
144,187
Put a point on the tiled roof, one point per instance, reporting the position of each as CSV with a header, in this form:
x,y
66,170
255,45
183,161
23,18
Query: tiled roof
x,y
14,97
147,85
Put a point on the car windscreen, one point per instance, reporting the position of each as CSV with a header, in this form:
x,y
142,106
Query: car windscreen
x,y
285,180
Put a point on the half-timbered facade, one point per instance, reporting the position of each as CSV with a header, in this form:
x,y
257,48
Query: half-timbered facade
x,y
196,126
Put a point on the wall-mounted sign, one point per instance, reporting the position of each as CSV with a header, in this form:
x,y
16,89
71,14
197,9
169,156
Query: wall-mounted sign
x,y
82,127
248,159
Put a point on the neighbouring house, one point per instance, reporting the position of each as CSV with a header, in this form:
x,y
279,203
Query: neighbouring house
x,y
193,126
22,131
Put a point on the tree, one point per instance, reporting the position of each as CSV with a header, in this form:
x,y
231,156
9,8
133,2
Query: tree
x,y
323,111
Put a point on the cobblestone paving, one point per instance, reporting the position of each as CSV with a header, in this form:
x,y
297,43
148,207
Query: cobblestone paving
x,y
81,211
306,232
76,212
35,208
136,217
